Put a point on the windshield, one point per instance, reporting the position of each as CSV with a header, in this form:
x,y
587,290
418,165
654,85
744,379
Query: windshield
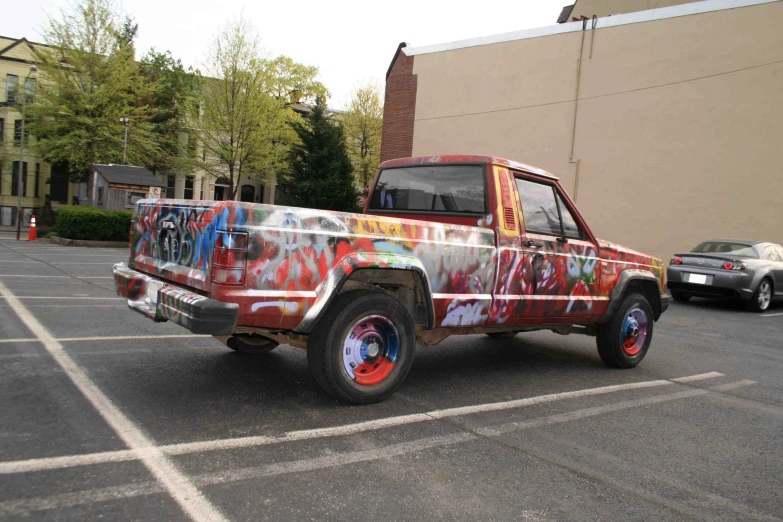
x,y
726,248
443,189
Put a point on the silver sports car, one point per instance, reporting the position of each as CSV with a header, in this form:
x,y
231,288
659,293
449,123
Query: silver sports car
x,y
729,268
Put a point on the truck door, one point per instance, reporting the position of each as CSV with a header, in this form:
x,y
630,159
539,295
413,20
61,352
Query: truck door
x,y
565,268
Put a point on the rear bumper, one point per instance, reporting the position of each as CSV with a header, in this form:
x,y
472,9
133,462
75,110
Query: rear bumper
x,y
728,284
161,302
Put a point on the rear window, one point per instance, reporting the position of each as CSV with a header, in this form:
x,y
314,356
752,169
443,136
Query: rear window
x,y
455,189
727,248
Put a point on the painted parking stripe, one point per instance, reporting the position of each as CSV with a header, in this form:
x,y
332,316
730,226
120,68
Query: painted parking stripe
x,y
28,275
66,297
109,338
698,377
189,498
335,431
23,506
771,315
599,410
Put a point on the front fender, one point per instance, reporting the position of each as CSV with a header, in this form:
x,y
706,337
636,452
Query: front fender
x,y
331,285
625,279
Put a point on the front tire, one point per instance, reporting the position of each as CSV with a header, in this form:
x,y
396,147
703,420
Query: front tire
x,y
624,340
362,348
762,297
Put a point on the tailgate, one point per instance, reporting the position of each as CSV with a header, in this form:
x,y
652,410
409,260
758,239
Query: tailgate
x,y
173,239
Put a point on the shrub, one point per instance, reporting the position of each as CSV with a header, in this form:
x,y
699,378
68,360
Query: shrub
x,y
78,222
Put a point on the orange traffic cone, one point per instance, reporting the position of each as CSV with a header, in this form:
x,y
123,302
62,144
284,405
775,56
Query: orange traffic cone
x,y
32,236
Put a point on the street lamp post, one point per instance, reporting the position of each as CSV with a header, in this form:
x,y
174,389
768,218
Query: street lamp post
x,y
126,121
19,183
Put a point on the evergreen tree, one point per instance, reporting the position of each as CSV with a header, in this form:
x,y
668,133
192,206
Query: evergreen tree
x,y
321,174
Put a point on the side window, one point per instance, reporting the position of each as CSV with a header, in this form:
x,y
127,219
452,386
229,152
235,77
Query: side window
x,y
772,252
570,228
780,252
543,208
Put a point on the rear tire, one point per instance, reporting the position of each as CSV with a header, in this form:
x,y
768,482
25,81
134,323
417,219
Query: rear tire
x,y
502,335
679,296
762,297
362,348
624,340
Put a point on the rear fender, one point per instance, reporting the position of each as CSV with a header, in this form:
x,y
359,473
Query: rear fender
x,y
331,286
643,279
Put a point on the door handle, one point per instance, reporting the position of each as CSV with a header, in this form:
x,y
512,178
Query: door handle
x,y
531,243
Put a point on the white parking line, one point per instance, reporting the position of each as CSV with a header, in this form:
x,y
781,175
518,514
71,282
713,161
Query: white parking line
x,y
698,377
65,297
25,506
190,499
27,275
110,338
771,315
335,431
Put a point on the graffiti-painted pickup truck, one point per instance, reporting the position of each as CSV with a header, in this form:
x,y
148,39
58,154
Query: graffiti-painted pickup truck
x,y
447,245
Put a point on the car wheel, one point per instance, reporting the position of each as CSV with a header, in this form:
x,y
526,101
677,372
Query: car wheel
x,y
502,335
362,348
679,296
251,345
624,340
762,297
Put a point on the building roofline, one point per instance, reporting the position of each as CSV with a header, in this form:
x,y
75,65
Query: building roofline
x,y
396,54
705,6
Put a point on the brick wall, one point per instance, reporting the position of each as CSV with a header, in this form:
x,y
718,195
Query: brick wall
x,y
399,109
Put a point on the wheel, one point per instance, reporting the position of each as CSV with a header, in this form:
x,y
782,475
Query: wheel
x,y
502,335
759,303
362,348
679,296
624,340
251,345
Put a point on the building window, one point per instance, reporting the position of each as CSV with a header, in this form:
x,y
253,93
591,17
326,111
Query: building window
x,y
37,179
189,187
247,193
15,179
171,182
18,133
133,197
29,90
11,88
100,196
2,129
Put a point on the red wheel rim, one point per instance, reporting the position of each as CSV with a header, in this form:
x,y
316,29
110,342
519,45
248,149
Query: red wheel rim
x,y
370,350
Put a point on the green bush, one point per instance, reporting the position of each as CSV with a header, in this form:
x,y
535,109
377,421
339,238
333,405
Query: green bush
x,y
78,222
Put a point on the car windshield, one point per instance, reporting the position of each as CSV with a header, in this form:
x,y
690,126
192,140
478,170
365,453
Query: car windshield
x,y
726,248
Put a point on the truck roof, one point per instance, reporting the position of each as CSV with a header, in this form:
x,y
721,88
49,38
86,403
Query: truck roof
x,y
466,158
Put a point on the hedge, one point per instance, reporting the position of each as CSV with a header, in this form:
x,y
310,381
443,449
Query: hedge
x,y
78,222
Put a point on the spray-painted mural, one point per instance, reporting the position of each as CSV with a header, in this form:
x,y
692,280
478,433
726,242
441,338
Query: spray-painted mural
x,y
282,265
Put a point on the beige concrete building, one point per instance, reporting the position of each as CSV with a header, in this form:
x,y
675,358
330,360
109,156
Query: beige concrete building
x,y
665,125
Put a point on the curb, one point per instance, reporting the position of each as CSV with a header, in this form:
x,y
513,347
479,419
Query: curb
x,y
87,243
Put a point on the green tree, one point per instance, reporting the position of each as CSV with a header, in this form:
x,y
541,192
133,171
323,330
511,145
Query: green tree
x,y
243,116
363,122
173,90
89,80
320,173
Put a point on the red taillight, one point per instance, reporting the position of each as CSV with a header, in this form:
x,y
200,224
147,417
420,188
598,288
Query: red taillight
x,y
229,257
677,260
728,265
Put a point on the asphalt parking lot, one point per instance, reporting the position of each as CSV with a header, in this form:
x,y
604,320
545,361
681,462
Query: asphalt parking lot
x,y
104,414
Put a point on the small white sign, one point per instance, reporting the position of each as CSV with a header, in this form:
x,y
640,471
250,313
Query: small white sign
x,y
154,193
700,279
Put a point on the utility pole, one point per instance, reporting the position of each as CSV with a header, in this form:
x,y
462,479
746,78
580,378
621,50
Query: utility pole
x,y
19,183
126,121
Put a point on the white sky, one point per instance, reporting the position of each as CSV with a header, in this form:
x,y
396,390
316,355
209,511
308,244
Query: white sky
x,y
351,41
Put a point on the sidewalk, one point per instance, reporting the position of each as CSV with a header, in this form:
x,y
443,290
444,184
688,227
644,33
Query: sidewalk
x,y
10,233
